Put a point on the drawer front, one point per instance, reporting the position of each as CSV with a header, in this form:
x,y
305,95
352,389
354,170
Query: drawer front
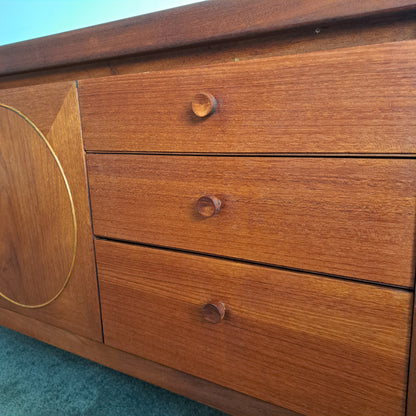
x,y
318,346
359,100
350,217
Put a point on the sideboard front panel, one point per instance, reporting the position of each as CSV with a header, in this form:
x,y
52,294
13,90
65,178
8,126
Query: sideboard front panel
x,y
46,248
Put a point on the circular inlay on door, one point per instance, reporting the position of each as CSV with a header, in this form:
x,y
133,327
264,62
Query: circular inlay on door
x,y
38,229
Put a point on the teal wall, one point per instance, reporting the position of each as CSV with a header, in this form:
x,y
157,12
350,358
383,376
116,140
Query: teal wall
x,y
27,19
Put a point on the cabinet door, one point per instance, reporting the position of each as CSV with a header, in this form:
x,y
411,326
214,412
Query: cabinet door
x,y
47,266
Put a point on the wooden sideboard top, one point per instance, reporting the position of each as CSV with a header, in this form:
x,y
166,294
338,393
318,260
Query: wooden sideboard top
x,y
200,23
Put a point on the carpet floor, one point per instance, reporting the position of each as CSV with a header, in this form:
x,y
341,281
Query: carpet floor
x,y
37,379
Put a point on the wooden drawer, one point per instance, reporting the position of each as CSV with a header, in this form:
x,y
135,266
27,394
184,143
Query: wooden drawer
x,y
318,346
358,100
341,216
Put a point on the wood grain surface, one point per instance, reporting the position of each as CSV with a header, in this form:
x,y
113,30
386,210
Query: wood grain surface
x,y
37,229
318,346
390,28
195,388
194,24
354,100
411,391
350,217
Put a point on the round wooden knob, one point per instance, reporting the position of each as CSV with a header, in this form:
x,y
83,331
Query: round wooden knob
x,y
213,312
207,206
204,104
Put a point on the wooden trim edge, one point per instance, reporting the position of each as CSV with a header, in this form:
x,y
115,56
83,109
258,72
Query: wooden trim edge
x,y
411,386
197,389
204,22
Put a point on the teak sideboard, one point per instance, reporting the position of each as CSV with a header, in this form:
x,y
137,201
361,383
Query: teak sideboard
x,y
220,199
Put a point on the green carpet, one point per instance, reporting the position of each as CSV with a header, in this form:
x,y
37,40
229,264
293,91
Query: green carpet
x,y
37,379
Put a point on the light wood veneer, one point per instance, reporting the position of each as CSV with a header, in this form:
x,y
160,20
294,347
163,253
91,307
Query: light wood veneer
x,y
357,100
291,339
255,162
351,217
37,227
